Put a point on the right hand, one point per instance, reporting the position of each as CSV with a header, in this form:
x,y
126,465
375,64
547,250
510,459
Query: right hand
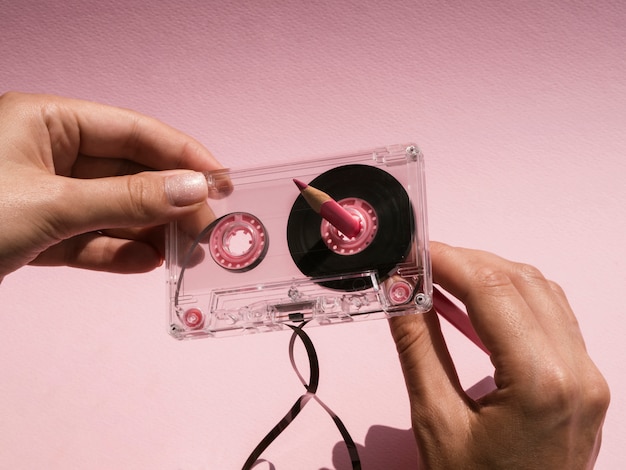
x,y
550,402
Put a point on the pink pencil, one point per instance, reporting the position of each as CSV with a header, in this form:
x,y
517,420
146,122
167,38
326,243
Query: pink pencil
x,y
456,317
330,210
343,221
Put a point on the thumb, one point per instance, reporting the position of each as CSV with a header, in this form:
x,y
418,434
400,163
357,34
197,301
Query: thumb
x,y
142,199
438,403
428,369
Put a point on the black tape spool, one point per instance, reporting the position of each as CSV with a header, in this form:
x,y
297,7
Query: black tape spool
x,y
389,247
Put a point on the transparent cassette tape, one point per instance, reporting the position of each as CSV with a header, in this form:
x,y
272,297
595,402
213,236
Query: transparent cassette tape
x,y
265,257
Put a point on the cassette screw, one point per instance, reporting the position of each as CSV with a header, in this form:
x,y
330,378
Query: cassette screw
x,y
420,299
293,293
412,152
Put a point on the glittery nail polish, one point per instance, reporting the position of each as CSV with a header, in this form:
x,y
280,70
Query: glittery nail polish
x,y
185,189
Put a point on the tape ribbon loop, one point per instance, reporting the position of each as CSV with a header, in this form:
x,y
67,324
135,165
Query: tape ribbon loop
x,y
311,389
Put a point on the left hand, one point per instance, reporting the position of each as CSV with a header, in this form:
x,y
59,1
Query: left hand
x,y
76,190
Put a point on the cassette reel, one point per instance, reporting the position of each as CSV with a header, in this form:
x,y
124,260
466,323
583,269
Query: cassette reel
x,y
264,259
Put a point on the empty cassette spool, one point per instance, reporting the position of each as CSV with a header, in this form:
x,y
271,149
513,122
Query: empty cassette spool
x,y
264,259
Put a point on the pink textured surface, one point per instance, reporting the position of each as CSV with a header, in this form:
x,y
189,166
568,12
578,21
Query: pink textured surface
x,y
519,109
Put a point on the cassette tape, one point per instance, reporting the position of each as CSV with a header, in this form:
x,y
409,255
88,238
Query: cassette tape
x,y
265,258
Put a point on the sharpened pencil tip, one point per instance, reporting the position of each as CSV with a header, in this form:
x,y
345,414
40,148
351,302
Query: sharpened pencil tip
x,y
301,186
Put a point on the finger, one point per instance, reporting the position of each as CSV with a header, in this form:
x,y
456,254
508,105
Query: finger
x,y
107,131
182,238
144,199
572,322
438,402
124,250
153,236
500,314
97,167
101,253
550,306
191,226
546,308
456,317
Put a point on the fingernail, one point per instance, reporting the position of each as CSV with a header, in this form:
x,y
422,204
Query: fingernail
x,y
185,189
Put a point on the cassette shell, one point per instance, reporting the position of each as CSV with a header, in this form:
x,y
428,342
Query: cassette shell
x,y
272,291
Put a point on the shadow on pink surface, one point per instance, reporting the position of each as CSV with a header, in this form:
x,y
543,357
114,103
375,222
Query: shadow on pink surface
x,y
385,447
392,448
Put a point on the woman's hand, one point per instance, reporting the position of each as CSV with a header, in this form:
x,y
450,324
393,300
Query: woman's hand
x,y
75,187
549,405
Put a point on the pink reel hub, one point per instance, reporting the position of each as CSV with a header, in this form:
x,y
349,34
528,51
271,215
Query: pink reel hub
x,y
238,242
343,245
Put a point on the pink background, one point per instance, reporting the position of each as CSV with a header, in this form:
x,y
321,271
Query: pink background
x,y
519,107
